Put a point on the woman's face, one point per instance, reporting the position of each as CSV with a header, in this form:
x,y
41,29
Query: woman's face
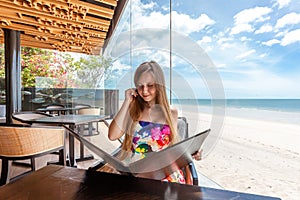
x,y
146,87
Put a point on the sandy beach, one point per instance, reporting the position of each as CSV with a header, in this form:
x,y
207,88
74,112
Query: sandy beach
x,y
253,156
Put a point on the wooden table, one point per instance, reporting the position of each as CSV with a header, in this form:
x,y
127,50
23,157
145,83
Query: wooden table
x,y
58,182
71,121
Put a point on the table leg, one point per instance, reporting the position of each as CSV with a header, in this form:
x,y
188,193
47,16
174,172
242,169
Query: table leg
x,y
72,160
82,156
81,150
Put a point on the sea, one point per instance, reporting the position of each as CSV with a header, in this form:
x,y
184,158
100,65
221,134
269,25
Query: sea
x,y
279,110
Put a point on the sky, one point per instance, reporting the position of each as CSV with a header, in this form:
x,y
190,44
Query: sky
x,y
253,46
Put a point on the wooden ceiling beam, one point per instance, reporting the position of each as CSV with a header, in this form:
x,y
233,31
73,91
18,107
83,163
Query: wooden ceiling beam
x,y
73,9
66,25
61,45
56,27
109,2
19,12
36,18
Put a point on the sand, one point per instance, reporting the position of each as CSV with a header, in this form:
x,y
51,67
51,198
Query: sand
x,y
253,156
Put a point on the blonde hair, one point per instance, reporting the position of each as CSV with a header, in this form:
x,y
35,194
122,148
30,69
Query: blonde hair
x,y
137,106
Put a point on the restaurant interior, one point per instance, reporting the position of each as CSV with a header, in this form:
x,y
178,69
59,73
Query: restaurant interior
x,y
41,151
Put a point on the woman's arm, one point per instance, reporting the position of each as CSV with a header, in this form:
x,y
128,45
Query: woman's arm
x,y
118,125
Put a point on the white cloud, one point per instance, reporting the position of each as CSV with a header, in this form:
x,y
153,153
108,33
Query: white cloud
x,y
118,65
243,39
140,7
241,28
227,50
246,54
244,18
145,17
227,45
153,20
281,34
261,83
186,25
282,3
263,55
223,39
271,42
221,65
229,54
291,37
222,42
205,39
206,43
288,19
264,29
252,15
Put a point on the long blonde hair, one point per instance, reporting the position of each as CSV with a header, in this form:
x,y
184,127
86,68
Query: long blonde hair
x,y
137,106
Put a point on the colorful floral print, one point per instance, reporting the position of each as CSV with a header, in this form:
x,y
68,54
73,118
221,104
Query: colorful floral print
x,y
149,137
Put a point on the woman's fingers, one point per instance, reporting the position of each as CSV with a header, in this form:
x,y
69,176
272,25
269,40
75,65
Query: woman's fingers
x,y
130,93
198,155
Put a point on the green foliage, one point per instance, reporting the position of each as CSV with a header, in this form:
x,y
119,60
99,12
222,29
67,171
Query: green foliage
x,y
92,70
2,64
52,69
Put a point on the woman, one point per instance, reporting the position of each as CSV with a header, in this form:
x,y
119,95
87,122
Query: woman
x,y
146,118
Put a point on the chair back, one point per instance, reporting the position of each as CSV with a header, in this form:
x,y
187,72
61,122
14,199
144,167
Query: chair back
x,y
182,128
55,106
27,141
80,106
89,111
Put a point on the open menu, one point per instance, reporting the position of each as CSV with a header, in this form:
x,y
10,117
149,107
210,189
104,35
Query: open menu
x,y
156,165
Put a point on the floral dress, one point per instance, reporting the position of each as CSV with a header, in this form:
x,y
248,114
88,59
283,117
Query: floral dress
x,y
149,137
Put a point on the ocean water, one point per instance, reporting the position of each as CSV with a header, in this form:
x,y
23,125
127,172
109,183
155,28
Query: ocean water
x,y
284,105
279,110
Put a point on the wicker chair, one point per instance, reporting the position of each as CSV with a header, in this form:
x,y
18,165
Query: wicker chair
x,y
22,143
81,106
24,118
92,127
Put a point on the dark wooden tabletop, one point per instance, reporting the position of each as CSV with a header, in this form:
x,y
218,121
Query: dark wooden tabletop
x,y
58,182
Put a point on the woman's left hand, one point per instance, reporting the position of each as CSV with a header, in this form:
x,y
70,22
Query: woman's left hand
x,y
197,155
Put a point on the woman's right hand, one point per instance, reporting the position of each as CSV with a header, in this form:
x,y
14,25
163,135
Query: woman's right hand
x,y
118,126
130,94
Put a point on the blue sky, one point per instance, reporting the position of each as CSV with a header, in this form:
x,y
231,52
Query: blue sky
x,y
254,45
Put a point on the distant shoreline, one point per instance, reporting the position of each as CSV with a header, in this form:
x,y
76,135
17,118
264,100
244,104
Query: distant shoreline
x,y
281,105
286,113
256,114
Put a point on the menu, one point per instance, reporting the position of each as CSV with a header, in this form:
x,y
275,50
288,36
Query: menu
x,y
156,165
